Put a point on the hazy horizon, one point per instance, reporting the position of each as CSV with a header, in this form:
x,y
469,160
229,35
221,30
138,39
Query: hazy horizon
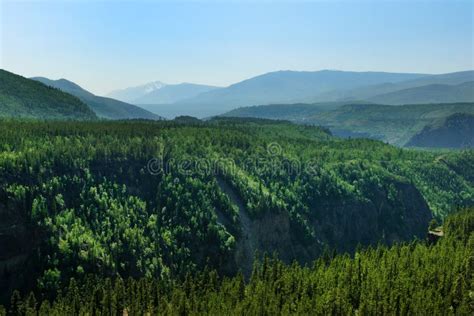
x,y
105,47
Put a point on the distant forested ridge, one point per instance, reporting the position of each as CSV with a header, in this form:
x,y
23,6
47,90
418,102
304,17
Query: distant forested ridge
x,y
455,131
393,124
24,98
163,199
433,93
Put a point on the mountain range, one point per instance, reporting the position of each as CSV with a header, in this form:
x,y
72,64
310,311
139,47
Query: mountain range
x,y
174,93
160,93
294,86
298,91
285,87
133,93
104,107
377,91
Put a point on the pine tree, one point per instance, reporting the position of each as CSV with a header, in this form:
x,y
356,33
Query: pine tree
x,y
15,303
30,305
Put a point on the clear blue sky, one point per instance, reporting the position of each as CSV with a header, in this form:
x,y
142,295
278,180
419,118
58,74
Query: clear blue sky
x,y
104,45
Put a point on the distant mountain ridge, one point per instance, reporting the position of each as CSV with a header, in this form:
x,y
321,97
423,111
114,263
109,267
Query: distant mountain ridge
x,y
173,93
160,93
24,98
290,87
104,107
371,91
132,93
432,93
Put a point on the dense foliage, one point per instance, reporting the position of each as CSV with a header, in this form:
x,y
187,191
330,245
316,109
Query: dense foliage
x,y
21,97
88,197
406,279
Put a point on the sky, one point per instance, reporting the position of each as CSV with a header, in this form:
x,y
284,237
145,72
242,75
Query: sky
x,y
107,45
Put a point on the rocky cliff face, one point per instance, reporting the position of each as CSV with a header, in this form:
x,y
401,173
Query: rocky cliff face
x,y
387,217
17,242
345,224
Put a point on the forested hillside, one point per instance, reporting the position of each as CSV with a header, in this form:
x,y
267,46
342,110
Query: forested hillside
x,y
297,112
162,199
455,131
24,98
415,278
393,124
104,107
